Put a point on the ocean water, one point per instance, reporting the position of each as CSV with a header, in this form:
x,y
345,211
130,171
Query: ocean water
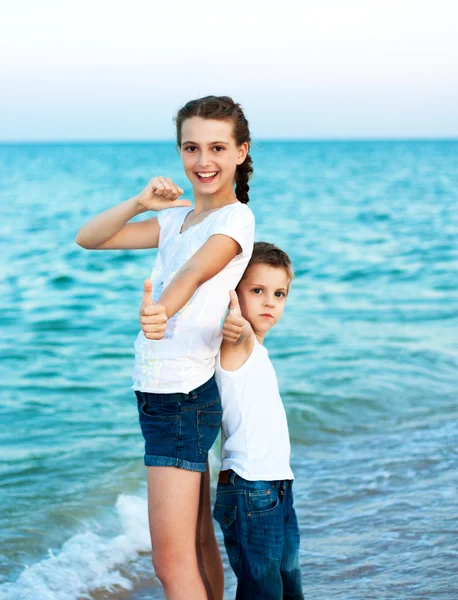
x,y
366,356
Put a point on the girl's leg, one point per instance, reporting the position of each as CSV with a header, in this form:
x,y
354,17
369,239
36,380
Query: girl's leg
x,y
208,554
173,509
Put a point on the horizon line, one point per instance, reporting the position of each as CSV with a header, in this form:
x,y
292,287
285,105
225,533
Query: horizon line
x,y
100,141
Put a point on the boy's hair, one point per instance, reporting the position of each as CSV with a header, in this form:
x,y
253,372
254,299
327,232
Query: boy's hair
x,y
269,254
225,109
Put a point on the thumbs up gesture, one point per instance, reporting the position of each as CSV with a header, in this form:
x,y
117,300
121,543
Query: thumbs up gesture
x,y
234,323
153,317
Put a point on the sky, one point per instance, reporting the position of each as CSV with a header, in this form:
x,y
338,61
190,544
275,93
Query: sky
x,y
321,69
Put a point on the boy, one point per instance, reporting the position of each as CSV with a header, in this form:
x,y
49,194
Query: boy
x,y
254,501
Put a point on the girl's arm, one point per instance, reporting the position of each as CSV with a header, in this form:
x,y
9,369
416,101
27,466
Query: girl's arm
x,y
110,229
210,259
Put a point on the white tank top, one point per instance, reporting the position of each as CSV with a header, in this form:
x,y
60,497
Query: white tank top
x,y
255,438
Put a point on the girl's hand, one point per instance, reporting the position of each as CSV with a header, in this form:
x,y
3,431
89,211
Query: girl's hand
x,y
153,317
234,323
160,193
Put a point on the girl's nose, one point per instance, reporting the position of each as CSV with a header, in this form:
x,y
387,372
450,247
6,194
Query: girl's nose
x,y
204,159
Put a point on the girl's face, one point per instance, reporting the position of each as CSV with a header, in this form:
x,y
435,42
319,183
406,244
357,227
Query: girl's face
x,y
210,155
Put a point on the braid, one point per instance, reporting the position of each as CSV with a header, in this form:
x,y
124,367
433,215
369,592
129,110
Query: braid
x,y
223,108
242,175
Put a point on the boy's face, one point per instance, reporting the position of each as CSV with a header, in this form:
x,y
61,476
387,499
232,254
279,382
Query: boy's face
x,y
262,295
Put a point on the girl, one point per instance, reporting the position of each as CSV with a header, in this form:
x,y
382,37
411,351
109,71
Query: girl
x,y
203,252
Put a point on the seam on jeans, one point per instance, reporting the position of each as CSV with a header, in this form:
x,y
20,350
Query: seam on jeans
x,y
189,408
179,444
167,461
256,493
200,428
221,492
159,418
266,512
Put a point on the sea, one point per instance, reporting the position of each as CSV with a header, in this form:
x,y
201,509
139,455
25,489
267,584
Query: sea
x,y
366,357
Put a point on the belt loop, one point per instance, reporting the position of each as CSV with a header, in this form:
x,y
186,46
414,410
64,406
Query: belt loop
x,y
227,476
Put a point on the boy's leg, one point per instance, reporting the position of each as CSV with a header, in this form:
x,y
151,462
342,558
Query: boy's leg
x,y
251,518
290,568
210,565
227,505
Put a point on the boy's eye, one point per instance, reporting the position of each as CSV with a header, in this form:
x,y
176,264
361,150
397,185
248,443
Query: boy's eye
x,y
280,294
257,291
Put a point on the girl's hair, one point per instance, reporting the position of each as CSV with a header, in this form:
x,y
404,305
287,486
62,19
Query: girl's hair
x,y
223,108
271,255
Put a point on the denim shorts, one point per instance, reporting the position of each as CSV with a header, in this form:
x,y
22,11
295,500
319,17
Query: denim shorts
x,y
179,429
261,536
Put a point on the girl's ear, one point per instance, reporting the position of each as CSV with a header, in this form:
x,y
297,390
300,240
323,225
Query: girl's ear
x,y
242,151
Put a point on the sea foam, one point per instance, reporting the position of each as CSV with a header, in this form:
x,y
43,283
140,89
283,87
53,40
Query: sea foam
x,y
88,560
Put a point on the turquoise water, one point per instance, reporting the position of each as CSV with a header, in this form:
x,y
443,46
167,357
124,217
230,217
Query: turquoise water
x,y
365,355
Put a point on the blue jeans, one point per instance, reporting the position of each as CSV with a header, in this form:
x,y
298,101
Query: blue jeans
x,y
261,536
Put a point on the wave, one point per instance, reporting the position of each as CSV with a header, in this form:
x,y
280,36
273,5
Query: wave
x,y
89,560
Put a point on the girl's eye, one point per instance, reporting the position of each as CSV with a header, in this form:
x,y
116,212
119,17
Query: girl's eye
x,y
189,148
218,148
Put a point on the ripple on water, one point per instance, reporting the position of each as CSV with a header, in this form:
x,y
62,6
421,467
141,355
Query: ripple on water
x,y
365,355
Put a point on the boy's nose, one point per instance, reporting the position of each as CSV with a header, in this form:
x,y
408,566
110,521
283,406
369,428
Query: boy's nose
x,y
269,302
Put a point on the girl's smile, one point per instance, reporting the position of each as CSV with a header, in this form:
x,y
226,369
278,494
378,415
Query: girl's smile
x,y
206,177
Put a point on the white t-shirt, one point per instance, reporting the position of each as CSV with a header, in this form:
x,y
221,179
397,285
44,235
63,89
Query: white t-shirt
x,y
255,438
185,358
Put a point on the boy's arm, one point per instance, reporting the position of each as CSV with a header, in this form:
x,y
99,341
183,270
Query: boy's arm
x,y
238,337
208,261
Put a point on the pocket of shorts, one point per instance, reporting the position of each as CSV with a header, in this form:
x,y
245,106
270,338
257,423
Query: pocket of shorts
x,y
262,502
157,428
209,418
152,412
208,424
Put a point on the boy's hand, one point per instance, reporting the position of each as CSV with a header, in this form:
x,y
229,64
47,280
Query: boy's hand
x,y
234,322
153,317
161,193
